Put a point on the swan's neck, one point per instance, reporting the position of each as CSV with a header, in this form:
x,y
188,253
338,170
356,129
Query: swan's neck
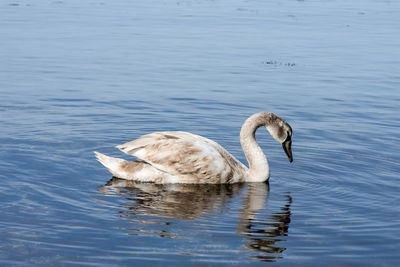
x,y
258,164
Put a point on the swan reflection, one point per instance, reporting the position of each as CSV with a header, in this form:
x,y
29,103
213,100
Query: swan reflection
x,y
262,235
149,204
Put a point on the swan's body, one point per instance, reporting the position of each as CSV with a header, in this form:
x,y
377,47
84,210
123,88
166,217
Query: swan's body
x,y
181,157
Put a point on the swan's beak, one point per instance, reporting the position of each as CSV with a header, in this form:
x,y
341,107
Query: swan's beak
x,y
287,146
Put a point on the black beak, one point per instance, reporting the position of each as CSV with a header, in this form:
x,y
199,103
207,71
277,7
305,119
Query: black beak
x,y
287,146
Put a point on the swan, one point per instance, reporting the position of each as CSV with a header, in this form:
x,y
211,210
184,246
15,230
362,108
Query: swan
x,y
182,157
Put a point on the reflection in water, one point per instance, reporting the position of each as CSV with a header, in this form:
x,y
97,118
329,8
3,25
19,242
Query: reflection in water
x,y
178,201
194,201
262,234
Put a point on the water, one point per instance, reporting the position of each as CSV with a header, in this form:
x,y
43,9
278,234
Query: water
x,y
79,76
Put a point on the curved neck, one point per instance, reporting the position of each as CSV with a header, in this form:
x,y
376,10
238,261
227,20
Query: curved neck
x,y
258,163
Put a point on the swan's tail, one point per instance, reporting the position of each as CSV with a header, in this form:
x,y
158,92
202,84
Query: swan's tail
x,y
114,165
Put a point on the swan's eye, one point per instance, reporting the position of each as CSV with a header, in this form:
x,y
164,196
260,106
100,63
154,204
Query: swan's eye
x,y
280,133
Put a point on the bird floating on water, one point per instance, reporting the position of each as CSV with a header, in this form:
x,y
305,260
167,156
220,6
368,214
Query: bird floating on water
x,y
182,157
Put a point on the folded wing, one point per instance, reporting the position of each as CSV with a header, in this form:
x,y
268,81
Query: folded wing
x,y
181,153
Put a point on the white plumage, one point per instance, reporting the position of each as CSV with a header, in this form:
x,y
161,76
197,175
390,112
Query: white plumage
x,y
181,157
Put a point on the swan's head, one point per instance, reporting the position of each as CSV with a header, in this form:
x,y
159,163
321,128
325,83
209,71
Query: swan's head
x,y
282,133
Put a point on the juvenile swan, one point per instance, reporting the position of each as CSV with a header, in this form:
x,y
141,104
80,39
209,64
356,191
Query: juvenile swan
x,y
181,157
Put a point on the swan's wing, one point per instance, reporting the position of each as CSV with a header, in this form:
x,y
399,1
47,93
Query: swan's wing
x,y
181,153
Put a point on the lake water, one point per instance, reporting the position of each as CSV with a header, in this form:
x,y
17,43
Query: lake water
x,y
78,76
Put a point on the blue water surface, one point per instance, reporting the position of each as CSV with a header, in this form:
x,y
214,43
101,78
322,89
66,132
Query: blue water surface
x,y
78,76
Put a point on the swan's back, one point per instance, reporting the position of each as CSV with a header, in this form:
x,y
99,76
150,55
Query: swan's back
x,y
186,157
